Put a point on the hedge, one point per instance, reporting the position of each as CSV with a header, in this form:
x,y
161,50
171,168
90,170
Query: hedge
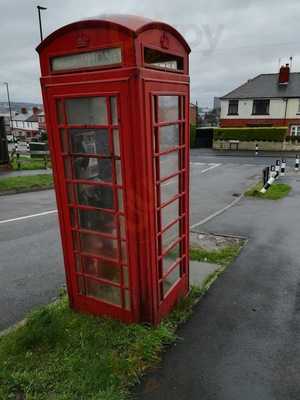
x,y
193,133
269,134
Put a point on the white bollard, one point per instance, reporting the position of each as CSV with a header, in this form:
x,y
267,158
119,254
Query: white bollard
x,y
277,167
256,149
282,169
27,147
268,184
297,163
272,171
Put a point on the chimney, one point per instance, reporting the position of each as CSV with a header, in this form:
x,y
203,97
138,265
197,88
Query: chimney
x,y
23,110
35,110
284,74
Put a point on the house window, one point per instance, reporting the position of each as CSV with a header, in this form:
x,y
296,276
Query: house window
x,y
298,110
261,107
295,130
233,107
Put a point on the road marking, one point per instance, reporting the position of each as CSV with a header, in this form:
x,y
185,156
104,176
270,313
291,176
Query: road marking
x,y
215,214
5,221
209,168
198,163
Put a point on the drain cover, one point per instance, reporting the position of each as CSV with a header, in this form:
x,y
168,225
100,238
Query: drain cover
x,y
236,194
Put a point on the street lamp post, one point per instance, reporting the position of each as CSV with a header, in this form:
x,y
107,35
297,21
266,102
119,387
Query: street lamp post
x,y
40,20
10,113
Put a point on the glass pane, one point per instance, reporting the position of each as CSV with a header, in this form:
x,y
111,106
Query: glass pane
x,y
68,168
88,59
169,164
127,300
91,141
101,269
119,172
72,212
97,221
107,293
170,213
60,112
171,279
169,137
64,140
95,196
116,143
70,194
168,108
98,245
170,235
126,276
124,251
114,110
86,111
120,200
93,169
169,259
163,60
169,189
122,226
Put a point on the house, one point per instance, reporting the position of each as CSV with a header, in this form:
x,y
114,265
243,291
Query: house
x,y
26,124
266,100
193,114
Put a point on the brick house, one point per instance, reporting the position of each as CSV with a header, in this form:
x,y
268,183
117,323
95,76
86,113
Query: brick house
x,y
266,100
26,124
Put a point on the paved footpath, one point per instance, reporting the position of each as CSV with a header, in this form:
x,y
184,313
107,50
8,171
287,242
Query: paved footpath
x,y
10,174
243,342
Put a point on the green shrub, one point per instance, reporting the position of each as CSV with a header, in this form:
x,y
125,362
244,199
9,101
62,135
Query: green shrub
x,y
193,133
251,134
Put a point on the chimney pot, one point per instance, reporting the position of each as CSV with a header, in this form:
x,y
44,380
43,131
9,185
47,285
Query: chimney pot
x,y
284,75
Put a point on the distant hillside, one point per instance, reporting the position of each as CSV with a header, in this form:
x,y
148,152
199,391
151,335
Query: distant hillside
x,y
16,106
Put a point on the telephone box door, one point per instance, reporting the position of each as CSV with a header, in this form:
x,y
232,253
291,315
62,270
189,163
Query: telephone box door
x,y
168,127
87,124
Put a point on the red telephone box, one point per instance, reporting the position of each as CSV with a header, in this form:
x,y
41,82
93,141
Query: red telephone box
x,y
116,97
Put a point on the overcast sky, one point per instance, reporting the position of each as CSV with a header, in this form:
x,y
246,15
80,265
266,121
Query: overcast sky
x,y
231,40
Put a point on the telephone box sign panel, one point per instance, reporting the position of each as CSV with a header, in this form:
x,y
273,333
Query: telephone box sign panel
x,y
89,59
119,139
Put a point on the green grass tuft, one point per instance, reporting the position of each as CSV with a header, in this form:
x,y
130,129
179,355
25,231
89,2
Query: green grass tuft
x,y
60,354
224,256
30,163
275,192
26,182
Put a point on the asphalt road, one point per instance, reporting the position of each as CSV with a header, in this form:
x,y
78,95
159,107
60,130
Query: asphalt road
x,y
31,264
243,342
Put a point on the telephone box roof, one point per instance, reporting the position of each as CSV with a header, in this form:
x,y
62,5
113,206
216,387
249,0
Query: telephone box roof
x,y
132,23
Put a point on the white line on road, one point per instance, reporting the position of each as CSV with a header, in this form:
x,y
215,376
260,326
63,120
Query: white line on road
x,y
215,214
209,168
5,221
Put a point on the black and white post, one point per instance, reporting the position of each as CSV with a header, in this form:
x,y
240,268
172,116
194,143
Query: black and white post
x,y
266,175
297,163
277,166
256,149
271,180
282,169
272,171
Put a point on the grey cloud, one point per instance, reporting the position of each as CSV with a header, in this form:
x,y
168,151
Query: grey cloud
x,y
231,40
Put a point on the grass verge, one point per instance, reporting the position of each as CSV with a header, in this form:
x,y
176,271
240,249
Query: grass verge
x,y
16,183
60,354
224,256
29,164
275,192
